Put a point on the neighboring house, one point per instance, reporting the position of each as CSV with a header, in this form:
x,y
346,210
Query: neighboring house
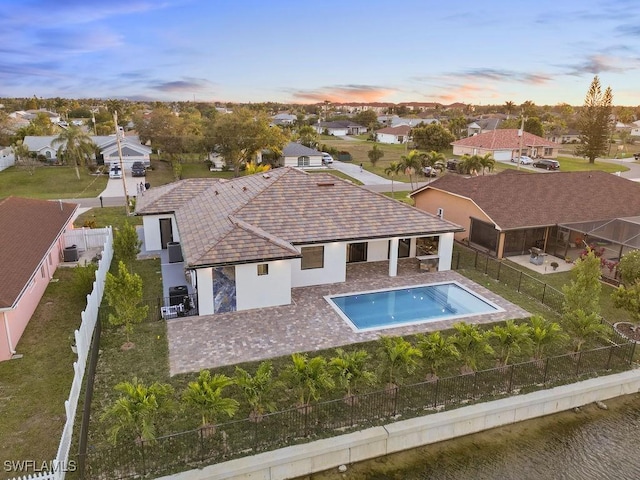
x,y
635,129
29,256
7,158
132,149
508,213
248,241
31,114
504,144
297,155
284,119
412,122
400,134
340,128
572,136
483,125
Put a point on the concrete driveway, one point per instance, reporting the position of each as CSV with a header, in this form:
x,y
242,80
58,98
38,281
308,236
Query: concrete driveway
x,y
115,186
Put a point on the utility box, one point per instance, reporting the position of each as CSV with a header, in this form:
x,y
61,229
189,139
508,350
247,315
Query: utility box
x,y
178,294
175,252
344,156
70,254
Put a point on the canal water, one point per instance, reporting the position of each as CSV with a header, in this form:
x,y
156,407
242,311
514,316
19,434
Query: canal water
x,y
591,443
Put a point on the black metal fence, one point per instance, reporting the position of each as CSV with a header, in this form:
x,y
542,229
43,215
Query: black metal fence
x,y
198,448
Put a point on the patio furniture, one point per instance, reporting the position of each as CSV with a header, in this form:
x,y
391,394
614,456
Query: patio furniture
x,y
537,256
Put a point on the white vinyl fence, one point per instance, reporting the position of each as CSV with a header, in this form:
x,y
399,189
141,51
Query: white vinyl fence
x,y
6,158
86,238
83,336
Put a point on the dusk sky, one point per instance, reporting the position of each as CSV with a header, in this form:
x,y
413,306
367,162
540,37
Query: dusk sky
x,y
303,51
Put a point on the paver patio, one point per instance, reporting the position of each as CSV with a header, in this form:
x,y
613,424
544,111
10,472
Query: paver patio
x,y
309,323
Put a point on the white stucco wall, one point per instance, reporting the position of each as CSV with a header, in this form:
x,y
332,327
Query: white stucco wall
x,y
151,224
314,161
389,138
334,271
257,291
445,251
378,250
204,282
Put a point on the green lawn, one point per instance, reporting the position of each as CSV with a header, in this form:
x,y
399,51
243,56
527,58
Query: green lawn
x,y
33,388
52,182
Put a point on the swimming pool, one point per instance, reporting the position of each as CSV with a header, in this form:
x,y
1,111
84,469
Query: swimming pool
x,y
379,309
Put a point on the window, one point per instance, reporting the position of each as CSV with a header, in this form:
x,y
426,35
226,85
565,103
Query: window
x,y
312,257
440,212
263,269
304,161
42,271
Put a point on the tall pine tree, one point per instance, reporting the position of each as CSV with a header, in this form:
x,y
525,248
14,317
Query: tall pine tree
x,y
594,122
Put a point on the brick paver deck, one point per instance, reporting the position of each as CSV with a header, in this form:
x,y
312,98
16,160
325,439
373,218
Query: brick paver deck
x,y
308,324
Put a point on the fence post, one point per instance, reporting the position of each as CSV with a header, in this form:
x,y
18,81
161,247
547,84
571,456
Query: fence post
x,y
475,261
498,275
435,400
609,359
511,378
519,281
546,368
486,266
578,364
395,400
544,290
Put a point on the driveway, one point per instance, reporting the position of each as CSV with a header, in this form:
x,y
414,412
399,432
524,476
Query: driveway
x,y
115,187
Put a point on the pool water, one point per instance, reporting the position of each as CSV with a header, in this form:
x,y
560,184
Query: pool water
x,y
409,305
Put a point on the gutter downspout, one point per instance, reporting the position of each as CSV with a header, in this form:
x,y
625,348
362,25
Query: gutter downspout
x,y
6,327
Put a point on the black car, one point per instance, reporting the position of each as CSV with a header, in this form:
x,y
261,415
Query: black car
x,y
138,169
452,165
547,163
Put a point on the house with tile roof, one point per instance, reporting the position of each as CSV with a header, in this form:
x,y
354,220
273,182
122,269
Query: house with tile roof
x,y
504,144
508,213
340,128
28,260
297,155
394,135
132,149
248,241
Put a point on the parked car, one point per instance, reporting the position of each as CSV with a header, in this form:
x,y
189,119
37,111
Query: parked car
x,y
138,169
115,172
429,172
452,164
326,158
636,156
547,163
524,160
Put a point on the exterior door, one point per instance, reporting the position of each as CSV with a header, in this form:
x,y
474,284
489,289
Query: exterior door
x,y
357,252
166,232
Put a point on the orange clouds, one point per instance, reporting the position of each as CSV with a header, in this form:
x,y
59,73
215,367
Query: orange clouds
x,y
344,94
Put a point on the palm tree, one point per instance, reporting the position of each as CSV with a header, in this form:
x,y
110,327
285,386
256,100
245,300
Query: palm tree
x,y
137,409
392,170
437,350
75,145
351,369
258,388
471,164
411,163
509,107
584,327
309,377
487,162
398,356
545,334
472,344
434,160
511,339
205,396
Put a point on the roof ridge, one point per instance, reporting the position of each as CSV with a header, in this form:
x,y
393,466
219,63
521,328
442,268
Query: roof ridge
x,y
261,233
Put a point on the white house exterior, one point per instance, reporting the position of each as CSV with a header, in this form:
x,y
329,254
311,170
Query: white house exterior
x,y
340,128
132,149
248,241
505,144
394,135
297,155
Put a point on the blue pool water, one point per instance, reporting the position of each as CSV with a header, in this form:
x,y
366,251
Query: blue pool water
x,y
409,305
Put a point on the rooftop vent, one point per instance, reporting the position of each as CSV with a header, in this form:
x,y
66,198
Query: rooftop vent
x,y
325,184
266,175
244,189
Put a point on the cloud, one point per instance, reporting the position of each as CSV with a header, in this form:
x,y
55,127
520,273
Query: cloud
x,y
187,85
343,94
77,41
596,64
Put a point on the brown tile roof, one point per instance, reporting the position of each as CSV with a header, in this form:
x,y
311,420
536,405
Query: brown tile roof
x,y
399,130
518,199
261,217
503,139
28,228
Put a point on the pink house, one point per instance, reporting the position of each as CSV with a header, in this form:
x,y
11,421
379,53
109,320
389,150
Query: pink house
x,y
31,247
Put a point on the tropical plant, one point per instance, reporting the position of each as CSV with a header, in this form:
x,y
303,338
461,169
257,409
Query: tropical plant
x,y
308,376
629,267
437,350
375,154
392,170
434,160
126,244
74,145
472,344
351,369
205,396
398,358
487,162
470,164
627,297
123,293
258,388
545,334
83,278
511,339
584,327
411,163
254,167
137,409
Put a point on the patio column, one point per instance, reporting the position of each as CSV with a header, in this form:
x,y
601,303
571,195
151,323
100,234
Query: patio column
x,y
393,258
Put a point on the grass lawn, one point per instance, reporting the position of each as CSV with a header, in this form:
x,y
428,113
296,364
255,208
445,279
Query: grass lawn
x,y
52,182
107,216
572,164
33,389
